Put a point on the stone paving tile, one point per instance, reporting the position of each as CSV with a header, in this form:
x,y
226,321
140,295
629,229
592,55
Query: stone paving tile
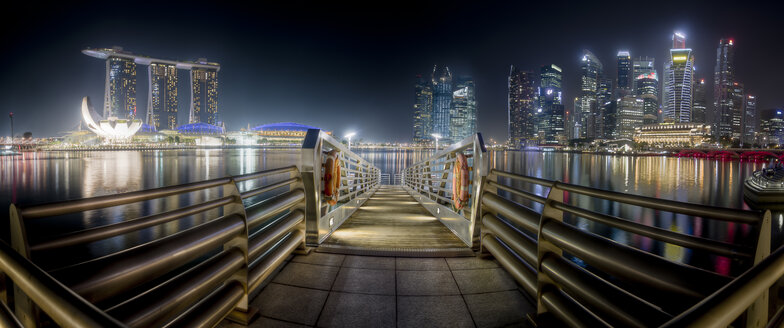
x,y
432,311
426,283
369,262
293,304
379,282
483,281
424,264
499,309
307,275
264,322
320,259
358,310
469,263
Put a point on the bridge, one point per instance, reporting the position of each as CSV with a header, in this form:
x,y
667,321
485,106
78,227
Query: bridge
x,y
731,153
267,249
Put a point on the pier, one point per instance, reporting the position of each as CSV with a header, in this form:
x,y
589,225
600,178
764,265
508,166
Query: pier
x,y
266,249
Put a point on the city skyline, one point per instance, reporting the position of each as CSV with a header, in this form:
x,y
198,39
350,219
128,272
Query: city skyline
x,y
320,77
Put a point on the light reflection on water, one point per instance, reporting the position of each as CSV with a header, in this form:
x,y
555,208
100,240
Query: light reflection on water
x,y
52,176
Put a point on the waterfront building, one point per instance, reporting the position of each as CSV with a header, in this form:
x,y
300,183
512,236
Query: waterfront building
x,y
750,120
678,80
462,118
591,70
423,109
624,80
772,126
726,110
630,116
286,133
673,134
646,86
699,107
204,95
162,96
441,80
120,91
643,66
737,102
610,113
550,112
521,107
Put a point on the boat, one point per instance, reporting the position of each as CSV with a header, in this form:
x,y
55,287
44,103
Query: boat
x,y
8,150
764,189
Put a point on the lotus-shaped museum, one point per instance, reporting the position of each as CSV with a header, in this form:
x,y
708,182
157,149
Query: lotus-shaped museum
x,y
112,128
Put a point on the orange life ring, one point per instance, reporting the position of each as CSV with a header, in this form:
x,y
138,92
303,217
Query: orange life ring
x,y
332,177
460,182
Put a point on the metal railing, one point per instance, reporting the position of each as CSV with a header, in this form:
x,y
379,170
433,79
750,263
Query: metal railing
x,y
619,285
359,180
392,178
429,183
193,277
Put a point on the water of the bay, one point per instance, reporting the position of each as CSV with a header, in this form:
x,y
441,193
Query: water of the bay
x,y
53,176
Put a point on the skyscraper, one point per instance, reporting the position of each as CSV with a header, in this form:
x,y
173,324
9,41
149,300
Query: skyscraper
x,y
591,70
463,113
162,97
643,65
423,109
750,124
624,80
630,116
204,95
726,109
700,103
646,86
120,92
551,108
738,101
522,98
442,102
678,79
772,126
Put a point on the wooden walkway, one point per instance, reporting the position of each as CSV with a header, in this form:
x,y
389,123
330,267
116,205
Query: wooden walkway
x,y
392,222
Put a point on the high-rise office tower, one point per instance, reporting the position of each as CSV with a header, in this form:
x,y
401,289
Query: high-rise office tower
x,y
204,95
750,124
604,95
522,99
463,113
700,103
550,110
678,79
591,70
441,80
726,111
610,113
646,86
120,92
630,116
772,126
624,80
738,101
423,109
643,66
162,96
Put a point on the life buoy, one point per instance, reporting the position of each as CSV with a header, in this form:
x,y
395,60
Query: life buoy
x,y
460,182
332,177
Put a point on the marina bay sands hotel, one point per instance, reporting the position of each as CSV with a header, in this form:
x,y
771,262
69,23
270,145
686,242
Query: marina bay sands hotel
x,y
120,92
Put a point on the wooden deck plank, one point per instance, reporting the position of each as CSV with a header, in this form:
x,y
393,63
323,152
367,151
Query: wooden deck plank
x,y
391,218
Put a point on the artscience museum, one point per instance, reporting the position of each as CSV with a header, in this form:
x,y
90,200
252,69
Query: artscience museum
x,y
112,129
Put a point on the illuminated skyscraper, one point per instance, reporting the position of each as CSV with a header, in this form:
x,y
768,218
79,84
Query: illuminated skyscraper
x,y
750,123
726,109
550,111
521,111
772,126
442,102
624,80
423,109
678,80
643,65
630,116
162,97
646,86
738,102
591,70
463,113
204,95
700,103
120,92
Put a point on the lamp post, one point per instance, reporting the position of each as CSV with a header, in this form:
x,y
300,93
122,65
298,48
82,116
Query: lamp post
x,y
437,136
348,136
11,116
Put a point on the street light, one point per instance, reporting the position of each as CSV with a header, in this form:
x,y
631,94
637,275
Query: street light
x,y
437,136
348,136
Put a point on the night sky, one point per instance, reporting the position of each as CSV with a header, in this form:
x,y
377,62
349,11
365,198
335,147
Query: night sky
x,y
350,67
